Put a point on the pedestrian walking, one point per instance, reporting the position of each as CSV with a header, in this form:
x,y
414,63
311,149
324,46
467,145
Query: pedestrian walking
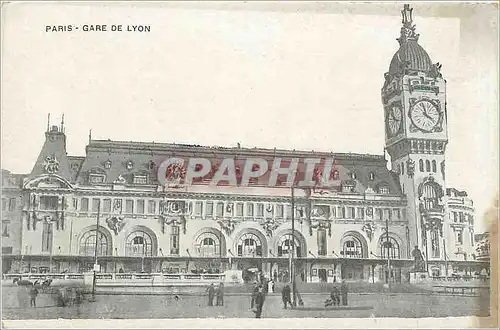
x,y
259,302
255,289
286,296
343,292
33,294
220,295
211,293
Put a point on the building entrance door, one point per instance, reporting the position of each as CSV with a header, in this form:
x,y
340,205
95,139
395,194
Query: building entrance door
x,y
322,275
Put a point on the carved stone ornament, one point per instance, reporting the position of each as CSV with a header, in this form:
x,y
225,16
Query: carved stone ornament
x,y
115,223
227,225
369,229
174,212
120,180
269,226
117,205
51,165
320,224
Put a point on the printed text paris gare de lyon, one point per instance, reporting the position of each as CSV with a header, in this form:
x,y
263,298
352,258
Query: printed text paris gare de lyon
x,y
98,28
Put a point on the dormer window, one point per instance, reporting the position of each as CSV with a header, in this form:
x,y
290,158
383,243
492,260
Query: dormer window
x,y
107,164
335,175
96,178
130,165
372,176
384,190
140,179
347,187
352,175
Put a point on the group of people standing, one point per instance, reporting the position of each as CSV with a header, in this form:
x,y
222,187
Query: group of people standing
x,y
216,292
338,297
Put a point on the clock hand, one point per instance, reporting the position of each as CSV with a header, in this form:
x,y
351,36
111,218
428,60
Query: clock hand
x,y
427,115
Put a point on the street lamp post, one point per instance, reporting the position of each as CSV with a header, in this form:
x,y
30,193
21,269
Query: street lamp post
x,y
388,246
95,248
292,275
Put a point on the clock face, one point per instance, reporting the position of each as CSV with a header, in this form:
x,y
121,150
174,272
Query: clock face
x,y
394,119
425,115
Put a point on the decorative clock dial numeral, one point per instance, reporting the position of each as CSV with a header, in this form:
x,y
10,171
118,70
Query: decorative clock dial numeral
x,y
394,119
425,115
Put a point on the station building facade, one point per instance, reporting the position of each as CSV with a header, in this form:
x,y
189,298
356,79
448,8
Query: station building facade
x,y
370,227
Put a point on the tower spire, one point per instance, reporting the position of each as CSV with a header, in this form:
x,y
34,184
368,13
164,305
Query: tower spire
x,y
62,123
408,29
48,122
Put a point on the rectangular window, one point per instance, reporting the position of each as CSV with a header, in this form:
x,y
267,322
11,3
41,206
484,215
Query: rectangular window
x,y
380,214
5,203
12,204
5,228
219,212
106,205
47,237
462,217
387,214
210,209
84,205
96,178
48,202
75,203
396,214
460,237
129,206
140,206
341,212
174,240
260,210
455,217
198,208
279,211
334,211
350,212
151,207
360,214
239,209
250,209
95,205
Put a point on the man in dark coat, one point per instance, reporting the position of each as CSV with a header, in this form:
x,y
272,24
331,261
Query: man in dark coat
x,y
255,289
211,292
343,293
286,295
220,295
259,302
33,293
335,296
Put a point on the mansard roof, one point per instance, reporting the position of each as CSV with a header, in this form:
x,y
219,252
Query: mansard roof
x,y
122,160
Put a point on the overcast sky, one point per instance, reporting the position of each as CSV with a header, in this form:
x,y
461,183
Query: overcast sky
x,y
291,75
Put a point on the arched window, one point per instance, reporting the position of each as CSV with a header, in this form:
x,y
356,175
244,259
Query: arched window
x,y
430,196
335,175
434,167
402,168
249,245
88,246
286,244
389,247
372,176
352,248
421,165
427,165
139,243
208,245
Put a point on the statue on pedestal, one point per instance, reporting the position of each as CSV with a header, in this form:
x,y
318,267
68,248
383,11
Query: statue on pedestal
x,y
419,260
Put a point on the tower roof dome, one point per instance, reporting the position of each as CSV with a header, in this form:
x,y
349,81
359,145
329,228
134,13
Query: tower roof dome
x,y
410,55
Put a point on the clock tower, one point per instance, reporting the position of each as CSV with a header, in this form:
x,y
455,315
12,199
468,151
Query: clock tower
x,y
414,102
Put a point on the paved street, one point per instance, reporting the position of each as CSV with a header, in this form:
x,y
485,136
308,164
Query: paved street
x,y
143,307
